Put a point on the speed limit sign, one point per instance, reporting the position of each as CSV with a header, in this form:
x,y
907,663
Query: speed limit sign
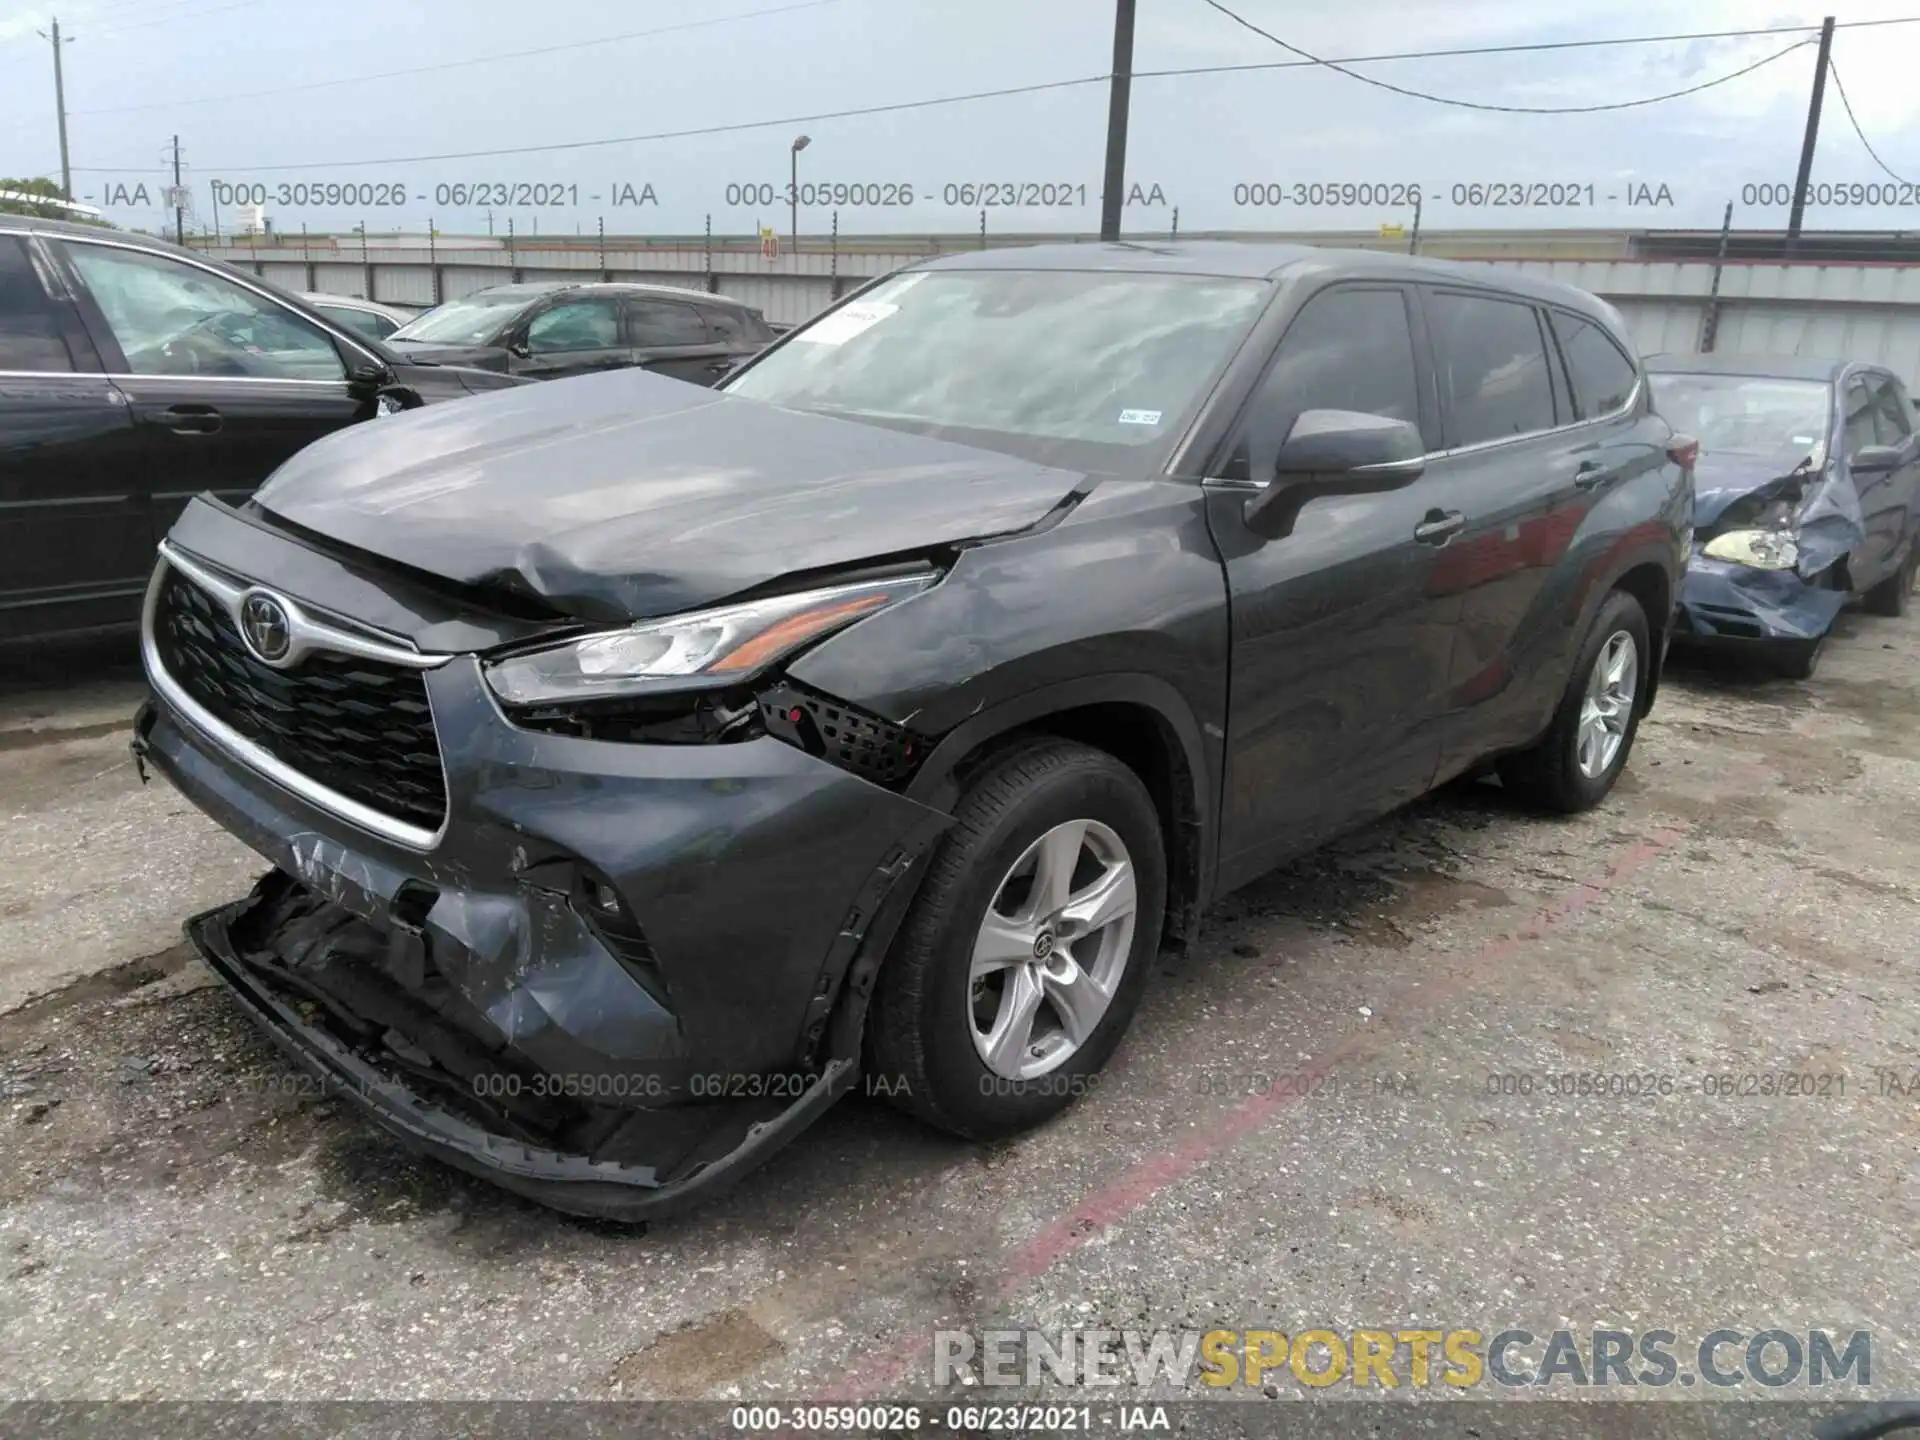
x,y
769,243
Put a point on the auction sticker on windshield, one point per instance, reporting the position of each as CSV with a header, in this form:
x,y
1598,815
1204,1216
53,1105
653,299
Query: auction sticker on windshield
x,y
1139,417
846,322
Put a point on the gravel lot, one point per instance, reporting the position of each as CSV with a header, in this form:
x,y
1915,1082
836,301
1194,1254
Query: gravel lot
x,y
178,1220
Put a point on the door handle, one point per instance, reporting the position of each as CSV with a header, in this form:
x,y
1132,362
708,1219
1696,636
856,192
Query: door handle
x,y
1590,473
1438,527
192,419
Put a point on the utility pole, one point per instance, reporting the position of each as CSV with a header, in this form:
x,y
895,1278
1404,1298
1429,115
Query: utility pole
x,y
1113,193
60,105
1813,134
179,208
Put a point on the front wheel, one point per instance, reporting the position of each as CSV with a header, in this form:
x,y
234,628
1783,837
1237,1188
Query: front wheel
x,y
1022,960
1576,762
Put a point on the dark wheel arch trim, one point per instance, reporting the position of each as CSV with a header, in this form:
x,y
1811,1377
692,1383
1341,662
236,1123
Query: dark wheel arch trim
x,y
1617,567
937,783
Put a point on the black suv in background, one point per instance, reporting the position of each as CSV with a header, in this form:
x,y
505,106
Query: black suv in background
x,y
133,375
639,762
547,331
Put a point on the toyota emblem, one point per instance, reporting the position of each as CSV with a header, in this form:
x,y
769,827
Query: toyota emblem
x,y
265,627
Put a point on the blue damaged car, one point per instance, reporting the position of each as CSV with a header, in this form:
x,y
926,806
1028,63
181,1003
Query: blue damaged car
x,y
1804,498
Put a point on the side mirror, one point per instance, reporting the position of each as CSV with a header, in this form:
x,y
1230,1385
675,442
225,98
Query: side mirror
x,y
364,377
520,348
1875,459
1335,452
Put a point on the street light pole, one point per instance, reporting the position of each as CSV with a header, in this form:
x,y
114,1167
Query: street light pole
x,y
800,142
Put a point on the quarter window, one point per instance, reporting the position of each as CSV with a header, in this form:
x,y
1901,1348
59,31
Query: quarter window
x,y
574,325
176,319
1602,377
662,322
1492,362
1347,349
30,336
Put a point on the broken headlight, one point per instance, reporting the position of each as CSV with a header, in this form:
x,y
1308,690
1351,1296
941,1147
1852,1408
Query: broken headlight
x,y
1758,549
720,646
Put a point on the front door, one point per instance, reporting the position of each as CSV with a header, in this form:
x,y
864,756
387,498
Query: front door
x,y
1339,651
75,548
222,382
1887,505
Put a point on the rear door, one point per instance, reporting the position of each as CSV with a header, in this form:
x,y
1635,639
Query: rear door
x,y
1891,522
1523,471
224,383
572,335
75,545
671,338
1339,655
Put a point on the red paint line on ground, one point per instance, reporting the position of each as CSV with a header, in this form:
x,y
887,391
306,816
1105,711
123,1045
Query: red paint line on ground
x,y
1112,1203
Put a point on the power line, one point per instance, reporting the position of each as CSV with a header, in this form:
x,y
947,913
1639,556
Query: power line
x,y
1522,49
459,64
1340,69
110,29
1847,105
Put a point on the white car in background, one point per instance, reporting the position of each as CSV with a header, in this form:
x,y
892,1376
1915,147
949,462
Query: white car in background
x,y
370,318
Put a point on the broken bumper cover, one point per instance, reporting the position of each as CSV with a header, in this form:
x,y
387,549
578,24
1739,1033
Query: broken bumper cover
x,y
488,1001
1724,602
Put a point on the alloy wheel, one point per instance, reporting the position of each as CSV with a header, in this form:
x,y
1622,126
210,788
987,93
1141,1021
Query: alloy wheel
x,y
1052,949
1607,709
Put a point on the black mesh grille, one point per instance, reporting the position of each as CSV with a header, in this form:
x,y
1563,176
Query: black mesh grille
x,y
360,727
872,748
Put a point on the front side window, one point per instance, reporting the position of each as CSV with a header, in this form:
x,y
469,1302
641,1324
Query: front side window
x,y
1893,415
1347,349
1492,362
1603,378
575,325
30,336
1094,369
727,326
1782,421
171,318
662,322
1859,424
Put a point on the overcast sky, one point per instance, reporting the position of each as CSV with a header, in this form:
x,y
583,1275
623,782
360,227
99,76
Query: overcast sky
x,y
225,76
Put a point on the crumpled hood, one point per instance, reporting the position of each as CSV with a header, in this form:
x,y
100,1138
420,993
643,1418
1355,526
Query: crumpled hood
x,y
1720,479
626,494
1828,524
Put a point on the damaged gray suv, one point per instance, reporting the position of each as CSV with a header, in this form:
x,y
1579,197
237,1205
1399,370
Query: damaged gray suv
x,y
641,764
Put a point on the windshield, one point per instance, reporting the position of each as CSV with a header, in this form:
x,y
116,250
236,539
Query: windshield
x,y
1086,369
1783,420
472,321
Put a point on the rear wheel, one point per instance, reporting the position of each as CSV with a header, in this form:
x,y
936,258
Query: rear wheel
x,y
1890,596
1575,763
1022,961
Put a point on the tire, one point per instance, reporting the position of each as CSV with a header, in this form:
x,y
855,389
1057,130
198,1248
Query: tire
x,y
1798,659
1890,596
928,1007
1550,775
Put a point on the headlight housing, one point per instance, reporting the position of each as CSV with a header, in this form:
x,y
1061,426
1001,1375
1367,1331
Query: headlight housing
x,y
705,648
1757,549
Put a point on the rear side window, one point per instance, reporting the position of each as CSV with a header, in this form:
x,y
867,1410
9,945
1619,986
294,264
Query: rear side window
x,y
30,336
1492,363
1893,419
1602,376
727,326
663,322
1347,349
